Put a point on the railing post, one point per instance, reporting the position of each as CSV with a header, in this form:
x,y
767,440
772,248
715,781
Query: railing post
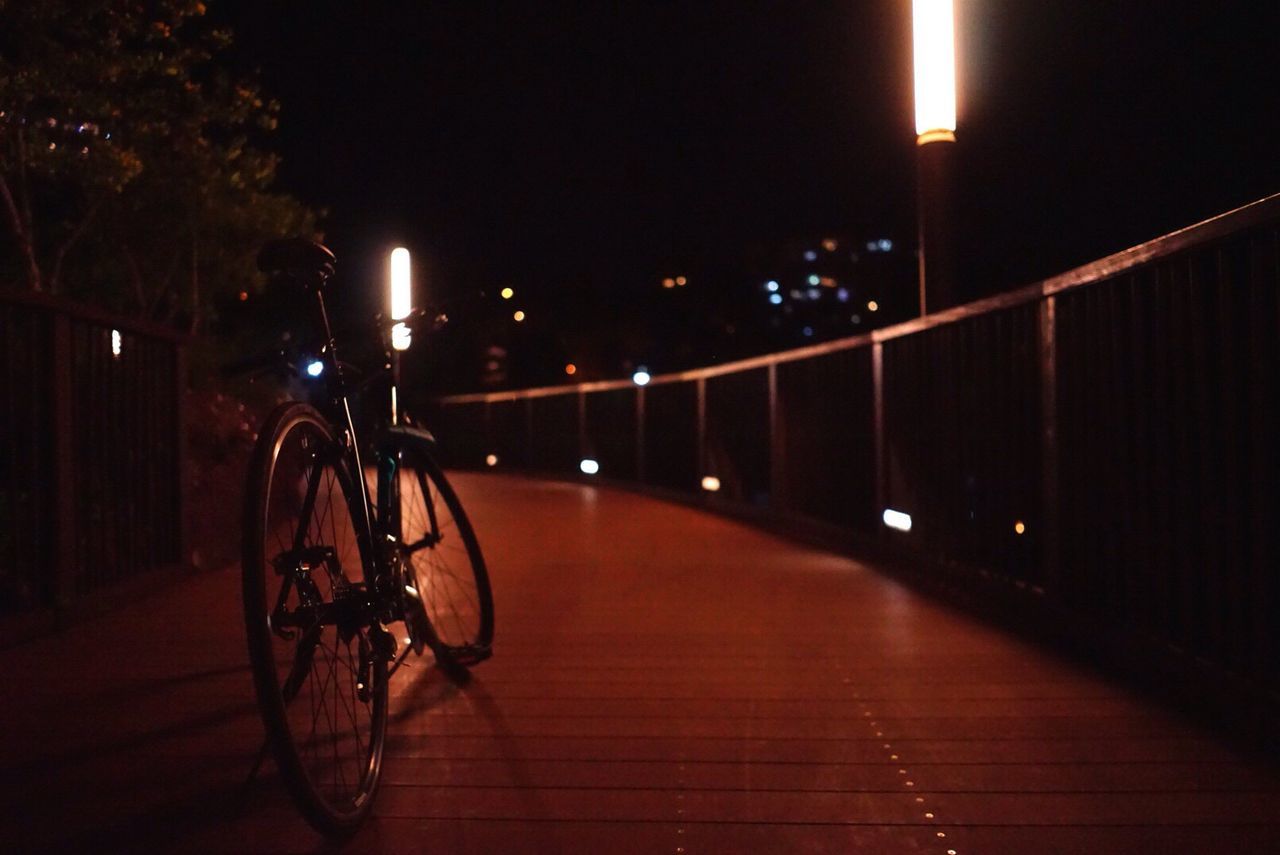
x,y
701,386
640,433
582,424
777,452
1050,555
877,426
64,480
529,444
180,425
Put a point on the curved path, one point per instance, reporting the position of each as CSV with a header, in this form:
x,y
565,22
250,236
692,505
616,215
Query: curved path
x,y
666,681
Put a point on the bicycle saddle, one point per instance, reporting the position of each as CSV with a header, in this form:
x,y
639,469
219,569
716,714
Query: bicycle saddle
x,y
297,257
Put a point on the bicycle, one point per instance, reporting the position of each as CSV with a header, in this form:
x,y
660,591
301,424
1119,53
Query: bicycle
x,y
331,563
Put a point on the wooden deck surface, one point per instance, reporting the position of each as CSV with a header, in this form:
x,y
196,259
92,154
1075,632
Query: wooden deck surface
x,y
665,681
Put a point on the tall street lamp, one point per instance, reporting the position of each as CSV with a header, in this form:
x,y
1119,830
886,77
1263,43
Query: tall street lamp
x,y
933,26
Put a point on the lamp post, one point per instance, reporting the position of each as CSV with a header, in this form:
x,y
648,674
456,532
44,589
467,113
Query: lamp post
x,y
401,299
933,28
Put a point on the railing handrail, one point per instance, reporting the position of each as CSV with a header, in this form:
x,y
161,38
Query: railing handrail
x,y
1104,268
92,314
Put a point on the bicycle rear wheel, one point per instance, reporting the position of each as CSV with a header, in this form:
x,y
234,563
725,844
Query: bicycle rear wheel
x,y
441,555
319,656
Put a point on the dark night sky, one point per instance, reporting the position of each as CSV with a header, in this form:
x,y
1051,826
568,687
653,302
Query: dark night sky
x,y
588,148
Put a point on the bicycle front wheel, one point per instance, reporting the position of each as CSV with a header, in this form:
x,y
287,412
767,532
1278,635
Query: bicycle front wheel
x,y
319,658
441,555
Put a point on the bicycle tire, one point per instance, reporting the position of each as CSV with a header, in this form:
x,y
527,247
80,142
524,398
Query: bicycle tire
x,y
301,507
447,568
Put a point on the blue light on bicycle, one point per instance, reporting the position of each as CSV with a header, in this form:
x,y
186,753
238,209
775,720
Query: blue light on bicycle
x,y
315,368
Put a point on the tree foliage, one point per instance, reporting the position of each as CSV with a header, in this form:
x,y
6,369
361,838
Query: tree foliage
x,y
132,166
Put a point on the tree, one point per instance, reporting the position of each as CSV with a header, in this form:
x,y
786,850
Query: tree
x,y
132,156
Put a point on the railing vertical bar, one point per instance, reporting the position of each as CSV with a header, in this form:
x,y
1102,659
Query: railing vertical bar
x,y
877,404
640,468
582,424
777,445
64,480
1050,557
700,385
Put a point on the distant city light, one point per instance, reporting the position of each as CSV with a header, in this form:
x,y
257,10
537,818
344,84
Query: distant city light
x,y
116,342
897,519
842,294
518,316
641,377
668,283
1020,527
711,484
589,466
315,368
571,369
873,306
827,282
830,245
855,319
776,299
680,280
815,279
244,296
491,460
885,245
814,294
808,332
508,293
873,246
810,255
771,285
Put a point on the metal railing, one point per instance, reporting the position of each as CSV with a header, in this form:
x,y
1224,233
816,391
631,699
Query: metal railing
x,y
1105,440
92,458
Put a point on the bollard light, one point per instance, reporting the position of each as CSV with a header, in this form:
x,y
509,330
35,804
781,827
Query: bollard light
x,y
401,298
589,466
933,26
641,377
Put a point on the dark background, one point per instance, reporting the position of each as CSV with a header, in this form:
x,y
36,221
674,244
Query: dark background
x,y
581,152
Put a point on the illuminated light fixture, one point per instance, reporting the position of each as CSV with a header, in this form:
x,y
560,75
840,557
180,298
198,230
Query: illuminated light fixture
x,y
507,293
589,466
810,255
827,282
315,368
711,484
401,298
571,369
1020,527
933,26
873,306
244,296
681,281
776,299
830,245
491,460
668,283
771,286
641,377
815,279
116,342
897,519
518,316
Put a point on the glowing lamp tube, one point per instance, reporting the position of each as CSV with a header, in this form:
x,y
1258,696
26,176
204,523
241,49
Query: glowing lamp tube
x,y
933,25
401,298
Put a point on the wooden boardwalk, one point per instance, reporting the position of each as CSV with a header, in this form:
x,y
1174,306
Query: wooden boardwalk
x,y
665,681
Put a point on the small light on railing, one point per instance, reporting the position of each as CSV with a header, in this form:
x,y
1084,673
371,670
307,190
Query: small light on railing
x,y
589,466
116,342
571,369
1019,527
315,368
711,483
897,519
641,377
491,460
